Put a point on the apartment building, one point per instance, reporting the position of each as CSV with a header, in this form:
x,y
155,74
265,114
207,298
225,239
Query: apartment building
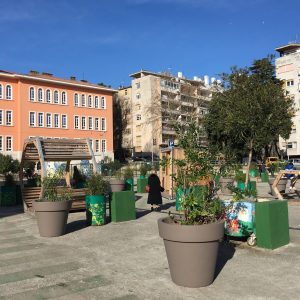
x,y
288,70
39,104
157,101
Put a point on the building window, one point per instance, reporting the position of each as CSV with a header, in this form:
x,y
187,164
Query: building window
x,y
139,117
103,146
8,92
64,121
97,146
96,102
90,103
31,119
96,123
63,98
103,103
1,143
103,124
90,123
137,85
76,100
9,143
83,100
40,95
126,92
290,83
41,119
56,120
292,145
31,94
8,118
1,117
76,122
48,96
1,91
83,123
48,120
55,97
138,96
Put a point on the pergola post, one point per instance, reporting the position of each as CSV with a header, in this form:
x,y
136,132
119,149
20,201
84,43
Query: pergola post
x,y
92,155
68,174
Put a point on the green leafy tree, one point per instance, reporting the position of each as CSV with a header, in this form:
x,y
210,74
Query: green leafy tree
x,y
250,111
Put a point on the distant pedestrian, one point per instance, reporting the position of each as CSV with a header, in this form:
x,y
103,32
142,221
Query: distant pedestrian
x,y
261,168
293,178
155,189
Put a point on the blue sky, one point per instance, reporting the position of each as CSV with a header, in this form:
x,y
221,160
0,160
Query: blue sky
x,y
105,41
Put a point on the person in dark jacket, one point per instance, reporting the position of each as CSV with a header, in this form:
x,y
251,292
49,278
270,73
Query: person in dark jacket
x,y
155,189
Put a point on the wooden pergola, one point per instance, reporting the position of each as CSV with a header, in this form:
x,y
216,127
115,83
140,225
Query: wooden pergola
x,y
54,150
281,173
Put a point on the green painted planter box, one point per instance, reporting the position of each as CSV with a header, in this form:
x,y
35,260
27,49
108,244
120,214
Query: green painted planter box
x,y
95,210
253,173
141,185
8,196
251,185
129,184
123,206
272,224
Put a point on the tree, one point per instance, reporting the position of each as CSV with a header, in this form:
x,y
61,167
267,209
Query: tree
x,y
251,110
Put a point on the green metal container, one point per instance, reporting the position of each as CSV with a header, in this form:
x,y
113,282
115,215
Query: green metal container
x,y
95,210
251,185
253,172
264,177
141,185
129,184
123,206
272,224
8,195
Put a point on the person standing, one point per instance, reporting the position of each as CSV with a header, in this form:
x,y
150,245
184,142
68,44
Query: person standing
x,y
155,189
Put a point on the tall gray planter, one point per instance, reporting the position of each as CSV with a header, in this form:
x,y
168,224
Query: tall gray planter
x,y
52,217
192,251
116,185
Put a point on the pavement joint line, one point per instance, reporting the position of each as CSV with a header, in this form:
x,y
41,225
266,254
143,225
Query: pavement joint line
x,y
37,272
61,289
21,248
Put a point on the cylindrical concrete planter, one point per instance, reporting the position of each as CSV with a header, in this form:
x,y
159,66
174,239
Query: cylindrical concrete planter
x,y
116,185
281,185
52,217
192,251
224,183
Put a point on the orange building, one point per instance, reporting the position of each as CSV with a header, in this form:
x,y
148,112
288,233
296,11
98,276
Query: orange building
x,y
39,104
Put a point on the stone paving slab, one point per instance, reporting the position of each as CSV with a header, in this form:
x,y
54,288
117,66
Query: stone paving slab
x,y
127,261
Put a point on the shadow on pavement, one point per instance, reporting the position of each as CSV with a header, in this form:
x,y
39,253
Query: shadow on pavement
x,y
11,211
75,226
142,212
226,252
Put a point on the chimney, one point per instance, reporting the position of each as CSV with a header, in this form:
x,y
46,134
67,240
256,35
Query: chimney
x,y
47,74
83,80
72,77
34,72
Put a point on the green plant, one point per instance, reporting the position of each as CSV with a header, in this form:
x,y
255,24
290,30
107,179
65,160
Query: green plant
x,y
198,164
239,195
8,166
144,168
97,185
52,192
240,176
127,173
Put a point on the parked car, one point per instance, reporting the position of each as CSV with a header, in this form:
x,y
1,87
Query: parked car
x,y
270,160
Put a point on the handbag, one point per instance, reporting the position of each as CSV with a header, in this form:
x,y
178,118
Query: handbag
x,y
147,188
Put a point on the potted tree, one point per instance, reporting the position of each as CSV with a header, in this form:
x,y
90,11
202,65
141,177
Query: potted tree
x,y
128,177
192,240
95,200
52,209
117,184
8,167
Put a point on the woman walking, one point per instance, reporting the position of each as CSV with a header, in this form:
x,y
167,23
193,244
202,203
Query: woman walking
x,y
154,196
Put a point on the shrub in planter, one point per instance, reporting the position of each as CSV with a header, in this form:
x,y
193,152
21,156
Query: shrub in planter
x,y
192,241
8,167
53,208
144,168
128,177
95,200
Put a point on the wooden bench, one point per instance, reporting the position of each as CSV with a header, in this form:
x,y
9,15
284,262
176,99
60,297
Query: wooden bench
x,y
31,194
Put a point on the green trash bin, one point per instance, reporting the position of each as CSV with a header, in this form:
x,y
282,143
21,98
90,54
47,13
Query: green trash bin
x,y
141,185
129,184
95,210
264,177
251,185
253,173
